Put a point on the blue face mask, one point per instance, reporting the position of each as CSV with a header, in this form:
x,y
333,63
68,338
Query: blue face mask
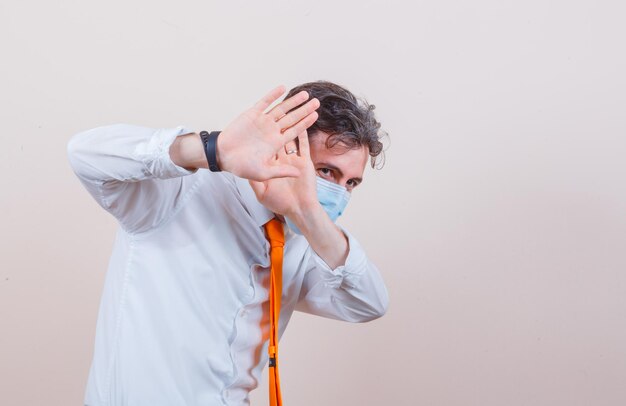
x,y
333,198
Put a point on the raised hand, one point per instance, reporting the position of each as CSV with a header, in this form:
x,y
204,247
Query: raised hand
x,y
291,196
296,198
249,145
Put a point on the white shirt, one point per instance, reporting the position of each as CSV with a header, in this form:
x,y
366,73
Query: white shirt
x,y
183,317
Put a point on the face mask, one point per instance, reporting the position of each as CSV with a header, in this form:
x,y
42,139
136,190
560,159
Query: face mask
x,y
332,197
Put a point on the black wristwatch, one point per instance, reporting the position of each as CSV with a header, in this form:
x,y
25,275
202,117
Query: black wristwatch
x,y
210,149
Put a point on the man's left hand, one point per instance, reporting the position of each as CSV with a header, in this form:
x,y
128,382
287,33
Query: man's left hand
x,y
296,198
291,196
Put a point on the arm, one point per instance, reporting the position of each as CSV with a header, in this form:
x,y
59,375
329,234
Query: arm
x,y
353,292
340,282
187,151
138,174
324,236
247,146
296,198
128,171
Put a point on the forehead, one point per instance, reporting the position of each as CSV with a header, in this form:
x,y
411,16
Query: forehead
x,y
350,161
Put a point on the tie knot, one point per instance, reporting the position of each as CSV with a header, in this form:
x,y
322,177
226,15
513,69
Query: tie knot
x,y
275,233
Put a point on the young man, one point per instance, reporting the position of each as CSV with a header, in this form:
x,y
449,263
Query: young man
x,y
184,315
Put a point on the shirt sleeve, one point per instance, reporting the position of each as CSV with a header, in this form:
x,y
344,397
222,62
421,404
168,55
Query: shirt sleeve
x,y
128,171
353,292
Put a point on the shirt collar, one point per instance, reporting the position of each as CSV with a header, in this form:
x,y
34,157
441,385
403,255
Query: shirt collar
x,y
259,213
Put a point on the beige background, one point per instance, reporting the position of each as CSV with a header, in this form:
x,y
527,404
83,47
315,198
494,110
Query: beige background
x,y
498,221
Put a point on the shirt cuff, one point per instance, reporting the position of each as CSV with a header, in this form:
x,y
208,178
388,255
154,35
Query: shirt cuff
x,y
155,154
349,273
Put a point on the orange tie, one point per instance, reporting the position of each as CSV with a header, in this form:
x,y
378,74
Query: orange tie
x,y
276,237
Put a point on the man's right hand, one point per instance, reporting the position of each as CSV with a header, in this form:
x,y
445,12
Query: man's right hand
x,y
248,147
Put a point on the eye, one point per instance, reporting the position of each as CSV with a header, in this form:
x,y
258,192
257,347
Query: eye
x,y
351,184
325,172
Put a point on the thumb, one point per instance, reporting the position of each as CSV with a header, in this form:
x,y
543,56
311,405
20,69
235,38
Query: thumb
x,y
258,188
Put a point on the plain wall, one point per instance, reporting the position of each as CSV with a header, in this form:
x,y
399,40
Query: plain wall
x,y
498,221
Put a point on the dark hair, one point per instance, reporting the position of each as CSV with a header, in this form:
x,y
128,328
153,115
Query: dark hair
x,y
346,119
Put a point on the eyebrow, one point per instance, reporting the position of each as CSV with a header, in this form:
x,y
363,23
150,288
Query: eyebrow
x,y
334,168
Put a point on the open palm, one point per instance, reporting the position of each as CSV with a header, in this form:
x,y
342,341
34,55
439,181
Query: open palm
x,y
290,196
249,145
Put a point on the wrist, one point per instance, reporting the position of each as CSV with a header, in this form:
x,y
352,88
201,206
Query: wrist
x,y
306,215
209,141
221,146
187,151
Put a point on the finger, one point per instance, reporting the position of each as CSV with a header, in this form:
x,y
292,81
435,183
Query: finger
x,y
298,114
281,109
290,148
303,144
282,157
301,126
269,98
